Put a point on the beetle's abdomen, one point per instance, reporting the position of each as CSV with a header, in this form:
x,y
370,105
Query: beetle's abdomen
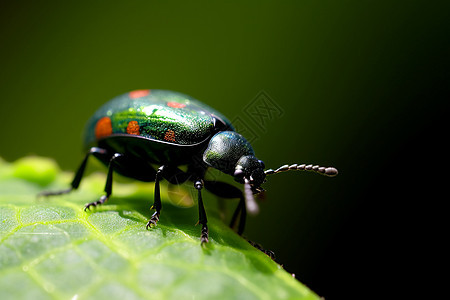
x,y
157,115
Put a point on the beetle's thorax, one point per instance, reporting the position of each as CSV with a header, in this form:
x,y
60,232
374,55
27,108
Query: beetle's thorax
x,y
225,149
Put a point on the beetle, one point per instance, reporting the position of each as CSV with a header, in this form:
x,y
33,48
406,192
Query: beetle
x,y
141,129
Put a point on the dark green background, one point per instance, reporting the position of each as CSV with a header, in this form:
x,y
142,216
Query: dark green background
x,y
362,85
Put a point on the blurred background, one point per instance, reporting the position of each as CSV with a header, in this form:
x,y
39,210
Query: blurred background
x,y
360,85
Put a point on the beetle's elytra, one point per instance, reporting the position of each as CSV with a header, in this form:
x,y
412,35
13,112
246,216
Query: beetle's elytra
x,y
142,128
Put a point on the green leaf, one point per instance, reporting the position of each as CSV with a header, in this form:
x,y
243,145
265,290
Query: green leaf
x,y
51,249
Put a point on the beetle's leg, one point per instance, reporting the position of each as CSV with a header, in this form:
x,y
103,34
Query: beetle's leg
x,y
267,252
97,152
225,190
157,200
108,185
202,213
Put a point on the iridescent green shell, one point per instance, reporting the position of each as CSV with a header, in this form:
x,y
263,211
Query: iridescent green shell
x,y
157,115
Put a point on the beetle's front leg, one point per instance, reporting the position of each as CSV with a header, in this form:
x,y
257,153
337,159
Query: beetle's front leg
x,y
204,237
157,200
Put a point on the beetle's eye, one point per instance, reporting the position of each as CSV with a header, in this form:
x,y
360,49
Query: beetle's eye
x,y
262,164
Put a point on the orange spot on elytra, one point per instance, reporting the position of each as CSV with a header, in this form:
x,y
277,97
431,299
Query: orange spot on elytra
x,y
103,127
176,104
139,93
170,135
133,128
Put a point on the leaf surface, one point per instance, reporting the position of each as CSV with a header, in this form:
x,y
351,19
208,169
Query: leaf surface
x,y
51,249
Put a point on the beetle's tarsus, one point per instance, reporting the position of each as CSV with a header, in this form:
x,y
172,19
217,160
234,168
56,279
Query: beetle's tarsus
x,y
150,224
102,200
153,221
269,253
204,238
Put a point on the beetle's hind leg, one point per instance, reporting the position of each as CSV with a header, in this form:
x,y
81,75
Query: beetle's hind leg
x,y
108,186
97,152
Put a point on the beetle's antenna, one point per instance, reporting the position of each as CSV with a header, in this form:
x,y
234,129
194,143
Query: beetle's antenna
x,y
250,203
327,171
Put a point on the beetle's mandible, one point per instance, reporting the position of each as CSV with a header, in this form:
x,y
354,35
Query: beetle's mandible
x,y
138,130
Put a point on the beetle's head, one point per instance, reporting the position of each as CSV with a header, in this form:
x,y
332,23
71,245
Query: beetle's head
x,y
250,171
249,168
231,153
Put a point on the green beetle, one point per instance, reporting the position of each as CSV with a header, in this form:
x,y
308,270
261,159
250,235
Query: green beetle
x,y
137,130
